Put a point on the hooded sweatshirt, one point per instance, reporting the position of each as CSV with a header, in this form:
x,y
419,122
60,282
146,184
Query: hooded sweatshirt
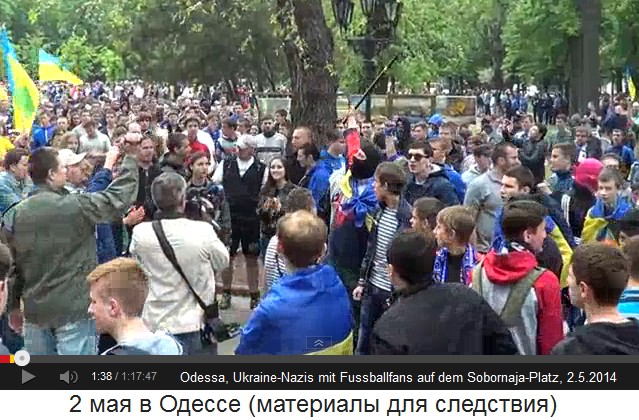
x,y
437,185
602,338
541,315
158,343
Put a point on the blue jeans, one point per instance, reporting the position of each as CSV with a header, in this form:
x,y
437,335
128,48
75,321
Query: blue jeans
x,y
192,344
74,339
374,303
264,240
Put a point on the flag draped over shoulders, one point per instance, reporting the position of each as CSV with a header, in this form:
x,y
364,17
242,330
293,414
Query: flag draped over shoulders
x,y
599,219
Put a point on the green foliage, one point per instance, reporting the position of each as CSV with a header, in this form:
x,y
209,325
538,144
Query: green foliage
x,y
536,35
229,40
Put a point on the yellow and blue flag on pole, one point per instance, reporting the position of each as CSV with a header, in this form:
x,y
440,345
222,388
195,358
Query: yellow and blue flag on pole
x,y
8,50
632,88
24,92
52,70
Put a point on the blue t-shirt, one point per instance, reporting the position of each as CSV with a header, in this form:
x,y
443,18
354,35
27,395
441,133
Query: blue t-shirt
x,y
629,303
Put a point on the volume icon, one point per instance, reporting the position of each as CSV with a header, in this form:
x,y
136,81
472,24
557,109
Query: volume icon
x,y
69,377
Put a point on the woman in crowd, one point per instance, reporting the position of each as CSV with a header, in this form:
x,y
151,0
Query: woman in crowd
x,y
70,141
272,196
199,187
74,120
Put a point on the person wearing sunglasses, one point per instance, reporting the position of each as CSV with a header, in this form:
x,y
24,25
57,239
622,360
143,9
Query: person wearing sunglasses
x,y
427,179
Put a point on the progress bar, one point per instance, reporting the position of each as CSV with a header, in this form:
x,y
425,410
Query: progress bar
x,y
21,358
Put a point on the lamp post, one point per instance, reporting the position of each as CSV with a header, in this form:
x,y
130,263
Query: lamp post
x,y
382,16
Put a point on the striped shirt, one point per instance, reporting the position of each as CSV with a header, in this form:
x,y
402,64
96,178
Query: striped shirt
x,y
386,229
274,264
629,303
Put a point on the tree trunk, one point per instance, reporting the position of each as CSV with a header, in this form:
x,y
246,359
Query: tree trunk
x,y
308,46
496,46
575,69
618,81
590,80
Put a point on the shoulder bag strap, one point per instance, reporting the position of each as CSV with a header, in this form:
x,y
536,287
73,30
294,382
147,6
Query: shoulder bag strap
x,y
477,278
170,254
511,312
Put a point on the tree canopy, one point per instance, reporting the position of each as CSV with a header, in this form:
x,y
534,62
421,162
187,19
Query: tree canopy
x,y
496,42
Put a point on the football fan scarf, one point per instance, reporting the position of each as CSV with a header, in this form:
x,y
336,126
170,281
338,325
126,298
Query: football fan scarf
x,y
440,269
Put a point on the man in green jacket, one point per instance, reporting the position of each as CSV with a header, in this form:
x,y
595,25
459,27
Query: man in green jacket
x,y
52,238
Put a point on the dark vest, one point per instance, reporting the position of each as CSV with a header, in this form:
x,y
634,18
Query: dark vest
x,y
242,193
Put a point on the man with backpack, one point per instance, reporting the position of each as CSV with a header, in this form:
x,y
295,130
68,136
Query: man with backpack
x,y
526,297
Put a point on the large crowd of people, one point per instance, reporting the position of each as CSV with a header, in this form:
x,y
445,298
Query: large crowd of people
x,y
122,207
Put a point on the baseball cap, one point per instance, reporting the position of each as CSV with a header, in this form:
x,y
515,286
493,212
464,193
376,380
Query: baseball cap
x,y
69,158
587,173
246,141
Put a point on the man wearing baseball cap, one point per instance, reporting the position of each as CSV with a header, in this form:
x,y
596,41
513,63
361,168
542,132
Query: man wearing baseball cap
x,y
77,170
242,176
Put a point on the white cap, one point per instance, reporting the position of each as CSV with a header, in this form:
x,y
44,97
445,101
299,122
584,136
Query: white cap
x,y
245,141
69,158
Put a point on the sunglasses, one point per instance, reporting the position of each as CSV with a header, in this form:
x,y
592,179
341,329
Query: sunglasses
x,y
417,156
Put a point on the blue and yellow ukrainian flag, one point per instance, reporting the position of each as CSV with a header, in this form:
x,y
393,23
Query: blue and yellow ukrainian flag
x,y
51,69
565,250
8,51
307,312
596,223
24,93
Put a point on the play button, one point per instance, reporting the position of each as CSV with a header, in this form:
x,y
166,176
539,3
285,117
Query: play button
x,y
26,376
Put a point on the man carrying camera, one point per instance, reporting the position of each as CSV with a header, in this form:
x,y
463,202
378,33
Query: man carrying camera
x,y
180,258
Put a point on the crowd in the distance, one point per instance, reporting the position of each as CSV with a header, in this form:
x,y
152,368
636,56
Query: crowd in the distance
x,y
384,237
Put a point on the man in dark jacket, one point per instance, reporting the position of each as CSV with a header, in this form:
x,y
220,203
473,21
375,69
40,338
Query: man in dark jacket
x,y
174,159
598,276
533,152
588,146
241,176
421,321
427,179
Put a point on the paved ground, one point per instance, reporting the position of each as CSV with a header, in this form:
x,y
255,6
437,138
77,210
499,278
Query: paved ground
x,y
239,312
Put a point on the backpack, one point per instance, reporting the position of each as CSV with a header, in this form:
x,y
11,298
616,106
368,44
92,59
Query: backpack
x,y
511,312
455,178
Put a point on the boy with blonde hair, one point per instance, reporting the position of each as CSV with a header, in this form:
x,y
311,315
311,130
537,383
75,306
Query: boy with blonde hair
x,y
456,257
118,291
